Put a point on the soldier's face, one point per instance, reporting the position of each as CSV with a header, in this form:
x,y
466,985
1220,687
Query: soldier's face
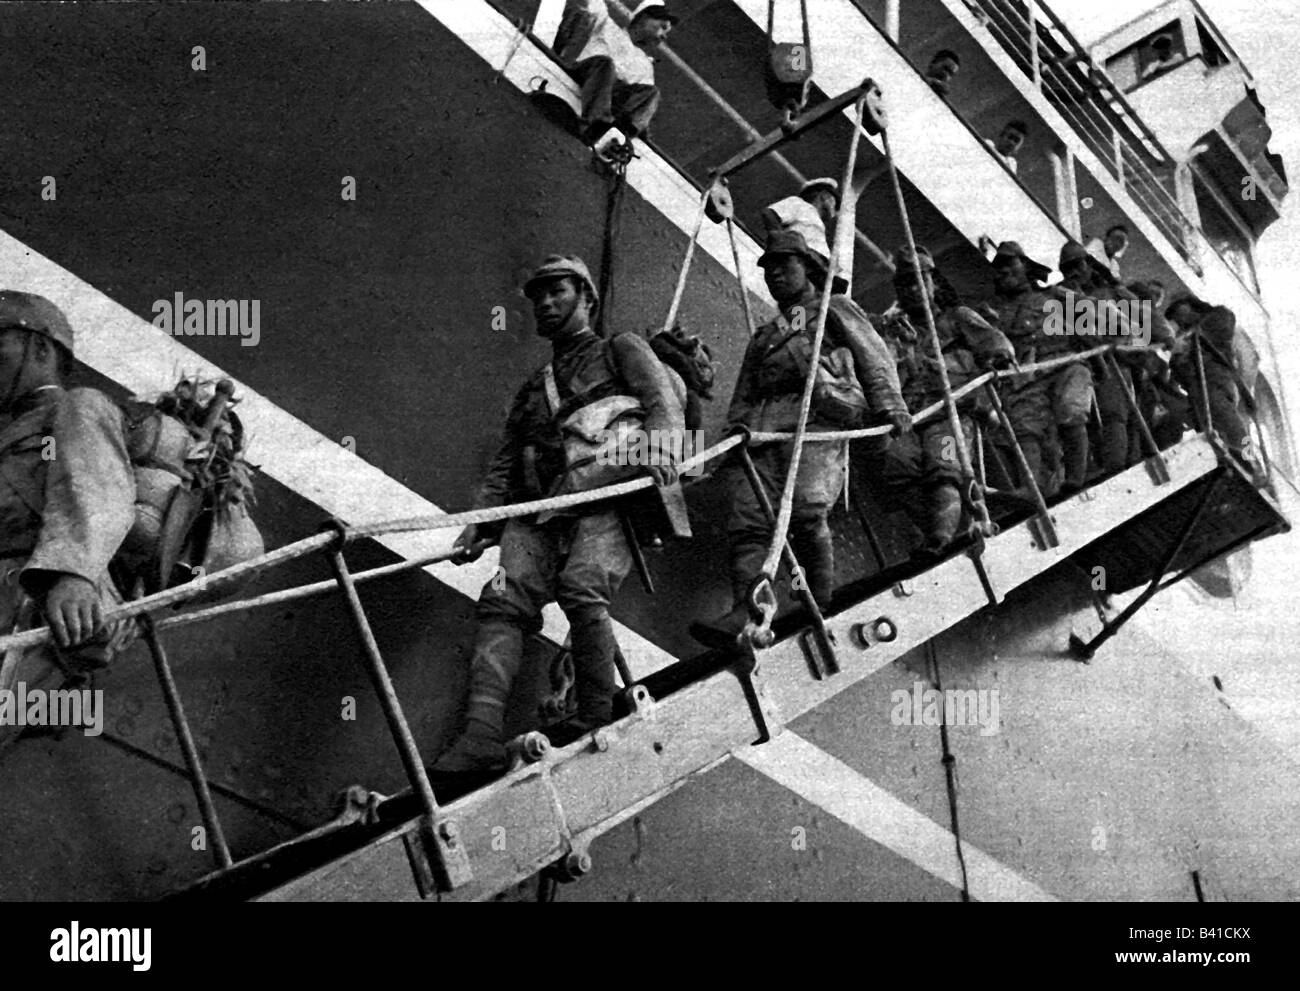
x,y
649,32
554,302
786,277
1010,276
1115,242
1183,316
912,297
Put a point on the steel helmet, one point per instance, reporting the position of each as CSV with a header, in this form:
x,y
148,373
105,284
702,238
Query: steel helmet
x,y
27,311
559,266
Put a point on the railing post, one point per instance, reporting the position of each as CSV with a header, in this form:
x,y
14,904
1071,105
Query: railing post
x,y
892,20
1035,60
1045,520
1159,468
1207,422
199,781
450,861
824,645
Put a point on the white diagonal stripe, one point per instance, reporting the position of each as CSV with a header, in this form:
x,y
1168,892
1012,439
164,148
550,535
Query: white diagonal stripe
x,y
817,777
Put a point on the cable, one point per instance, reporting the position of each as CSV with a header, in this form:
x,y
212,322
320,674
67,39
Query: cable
x,y
949,768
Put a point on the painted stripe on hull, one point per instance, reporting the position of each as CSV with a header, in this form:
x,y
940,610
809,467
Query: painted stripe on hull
x,y
491,36
817,777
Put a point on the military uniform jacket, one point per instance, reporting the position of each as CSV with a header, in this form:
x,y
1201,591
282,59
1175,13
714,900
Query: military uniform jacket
x,y
67,490
772,376
530,459
970,344
587,31
1022,320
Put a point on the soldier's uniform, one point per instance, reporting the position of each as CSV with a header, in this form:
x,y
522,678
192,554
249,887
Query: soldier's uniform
x,y
922,471
1049,410
67,497
1119,429
577,558
1217,330
767,398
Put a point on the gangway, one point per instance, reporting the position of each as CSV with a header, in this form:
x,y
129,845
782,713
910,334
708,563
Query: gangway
x,y
689,717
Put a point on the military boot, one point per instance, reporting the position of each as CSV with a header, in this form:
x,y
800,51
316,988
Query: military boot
x,y
816,551
720,633
944,505
1074,449
498,651
593,649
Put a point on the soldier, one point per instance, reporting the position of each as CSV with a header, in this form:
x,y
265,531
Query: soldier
x,y
579,557
923,471
1216,327
1048,412
1162,404
1089,281
67,497
767,398
614,66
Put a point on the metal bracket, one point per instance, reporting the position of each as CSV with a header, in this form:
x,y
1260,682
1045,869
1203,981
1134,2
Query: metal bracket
x,y
767,717
874,119
976,554
818,645
1044,531
438,858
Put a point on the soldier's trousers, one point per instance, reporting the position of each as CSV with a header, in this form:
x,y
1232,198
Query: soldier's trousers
x,y
1117,428
1225,413
577,562
608,100
926,458
1049,412
818,484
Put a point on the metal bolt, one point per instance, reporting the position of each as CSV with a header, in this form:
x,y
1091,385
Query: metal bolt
x,y
449,832
536,746
577,864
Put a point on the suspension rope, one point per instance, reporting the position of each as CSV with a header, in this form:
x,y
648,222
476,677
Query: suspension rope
x,y
973,490
686,264
740,279
613,217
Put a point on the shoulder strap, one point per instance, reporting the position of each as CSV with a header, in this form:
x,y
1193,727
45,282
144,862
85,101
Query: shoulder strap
x,y
552,391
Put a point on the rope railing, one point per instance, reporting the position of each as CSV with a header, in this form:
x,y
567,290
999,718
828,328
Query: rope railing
x,y
175,597
935,408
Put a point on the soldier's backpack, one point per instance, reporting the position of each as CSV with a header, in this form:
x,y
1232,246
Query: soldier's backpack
x,y
693,362
194,490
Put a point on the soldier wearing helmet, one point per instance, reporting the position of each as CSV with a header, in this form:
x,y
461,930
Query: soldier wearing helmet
x,y
579,557
922,470
767,398
67,497
1048,412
